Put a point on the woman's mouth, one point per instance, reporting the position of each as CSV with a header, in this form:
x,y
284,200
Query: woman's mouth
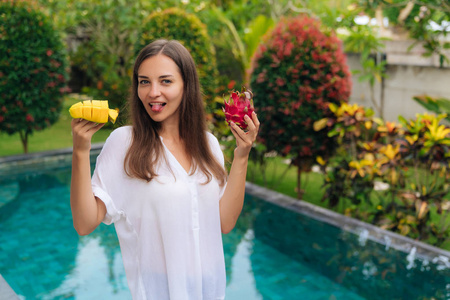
x,y
157,106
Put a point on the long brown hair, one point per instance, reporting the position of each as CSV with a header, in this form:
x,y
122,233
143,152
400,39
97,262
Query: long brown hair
x,y
146,148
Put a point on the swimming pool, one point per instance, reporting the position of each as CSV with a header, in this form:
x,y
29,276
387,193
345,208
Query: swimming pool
x,y
273,253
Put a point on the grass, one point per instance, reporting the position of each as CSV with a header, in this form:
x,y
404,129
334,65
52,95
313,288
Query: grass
x,y
279,177
57,136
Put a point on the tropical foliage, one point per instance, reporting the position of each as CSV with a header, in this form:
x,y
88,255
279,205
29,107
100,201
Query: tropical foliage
x,y
296,73
395,175
33,70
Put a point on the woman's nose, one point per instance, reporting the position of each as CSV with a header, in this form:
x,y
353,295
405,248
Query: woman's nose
x,y
154,91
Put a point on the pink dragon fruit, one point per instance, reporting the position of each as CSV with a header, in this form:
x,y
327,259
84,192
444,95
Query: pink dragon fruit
x,y
237,106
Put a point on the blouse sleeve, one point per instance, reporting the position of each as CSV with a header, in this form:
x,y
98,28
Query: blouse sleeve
x,y
107,174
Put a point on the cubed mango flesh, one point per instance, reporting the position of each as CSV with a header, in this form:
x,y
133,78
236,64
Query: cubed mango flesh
x,y
94,110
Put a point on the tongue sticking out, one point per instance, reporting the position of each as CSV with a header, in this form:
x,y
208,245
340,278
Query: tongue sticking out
x,y
157,107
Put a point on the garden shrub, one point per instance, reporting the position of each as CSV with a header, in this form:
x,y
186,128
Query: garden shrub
x,y
410,159
174,23
103,49
33,70
296,73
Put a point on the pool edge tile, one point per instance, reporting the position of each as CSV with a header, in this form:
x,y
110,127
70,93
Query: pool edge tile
x,y
7,292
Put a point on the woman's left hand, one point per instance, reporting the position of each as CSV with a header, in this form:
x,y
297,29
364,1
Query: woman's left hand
x,y
245,139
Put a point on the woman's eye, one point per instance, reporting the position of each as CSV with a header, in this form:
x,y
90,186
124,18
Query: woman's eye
x,y
143,81
167,81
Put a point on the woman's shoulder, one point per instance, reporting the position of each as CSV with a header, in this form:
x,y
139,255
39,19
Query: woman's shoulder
x,y
211,137
213,141
121,133
119,137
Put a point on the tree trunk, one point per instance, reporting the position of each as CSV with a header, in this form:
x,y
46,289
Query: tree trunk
x,y
24,139
299,183
382,87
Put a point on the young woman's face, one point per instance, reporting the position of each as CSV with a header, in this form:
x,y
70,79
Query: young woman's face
x,y
160,88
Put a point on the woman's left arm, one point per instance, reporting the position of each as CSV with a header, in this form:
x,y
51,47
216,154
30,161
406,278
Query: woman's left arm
x,y
233,197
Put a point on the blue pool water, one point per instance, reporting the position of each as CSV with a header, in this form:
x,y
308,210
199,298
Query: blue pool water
x,y
272,253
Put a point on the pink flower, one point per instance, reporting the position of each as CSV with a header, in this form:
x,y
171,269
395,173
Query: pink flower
x,y
280,81
287,149
306,151
261,77
231,84
296,105
55,63
29,118
49,52
65,89
288,49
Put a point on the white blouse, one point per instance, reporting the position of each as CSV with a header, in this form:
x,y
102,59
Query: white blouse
x,y
168,229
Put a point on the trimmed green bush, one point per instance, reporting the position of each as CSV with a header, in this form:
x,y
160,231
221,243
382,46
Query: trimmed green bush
x,y
106,32
296,73
174,23
33,70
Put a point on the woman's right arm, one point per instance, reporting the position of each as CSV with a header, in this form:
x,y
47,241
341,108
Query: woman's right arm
x,y
87,210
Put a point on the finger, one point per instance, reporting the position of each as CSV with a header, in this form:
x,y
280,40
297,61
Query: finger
x,y
74,122
255,120
81,126
98,126
250,124
253,126
89,125
79,122
94,127
242,138
237,131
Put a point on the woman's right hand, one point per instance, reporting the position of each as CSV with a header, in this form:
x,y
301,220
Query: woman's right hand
x,y
82,132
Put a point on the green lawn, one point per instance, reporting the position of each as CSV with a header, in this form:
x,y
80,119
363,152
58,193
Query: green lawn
x,y
57,136
281,178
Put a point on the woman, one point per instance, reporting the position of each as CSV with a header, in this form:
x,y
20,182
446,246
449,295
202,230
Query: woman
x,y
162,182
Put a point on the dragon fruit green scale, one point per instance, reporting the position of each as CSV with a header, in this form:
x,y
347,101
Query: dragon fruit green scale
x,y
237,106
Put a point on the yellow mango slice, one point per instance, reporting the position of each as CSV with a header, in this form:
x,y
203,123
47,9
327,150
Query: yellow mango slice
x,y
94,110
87,112
113,114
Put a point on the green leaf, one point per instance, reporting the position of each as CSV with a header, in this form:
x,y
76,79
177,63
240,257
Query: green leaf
x,y
254,33
427,102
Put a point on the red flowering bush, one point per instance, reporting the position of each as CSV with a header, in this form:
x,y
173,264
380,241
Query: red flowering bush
x,y
33,72
296,73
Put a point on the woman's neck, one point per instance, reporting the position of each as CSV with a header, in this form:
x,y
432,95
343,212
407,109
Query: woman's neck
x,y
170,132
